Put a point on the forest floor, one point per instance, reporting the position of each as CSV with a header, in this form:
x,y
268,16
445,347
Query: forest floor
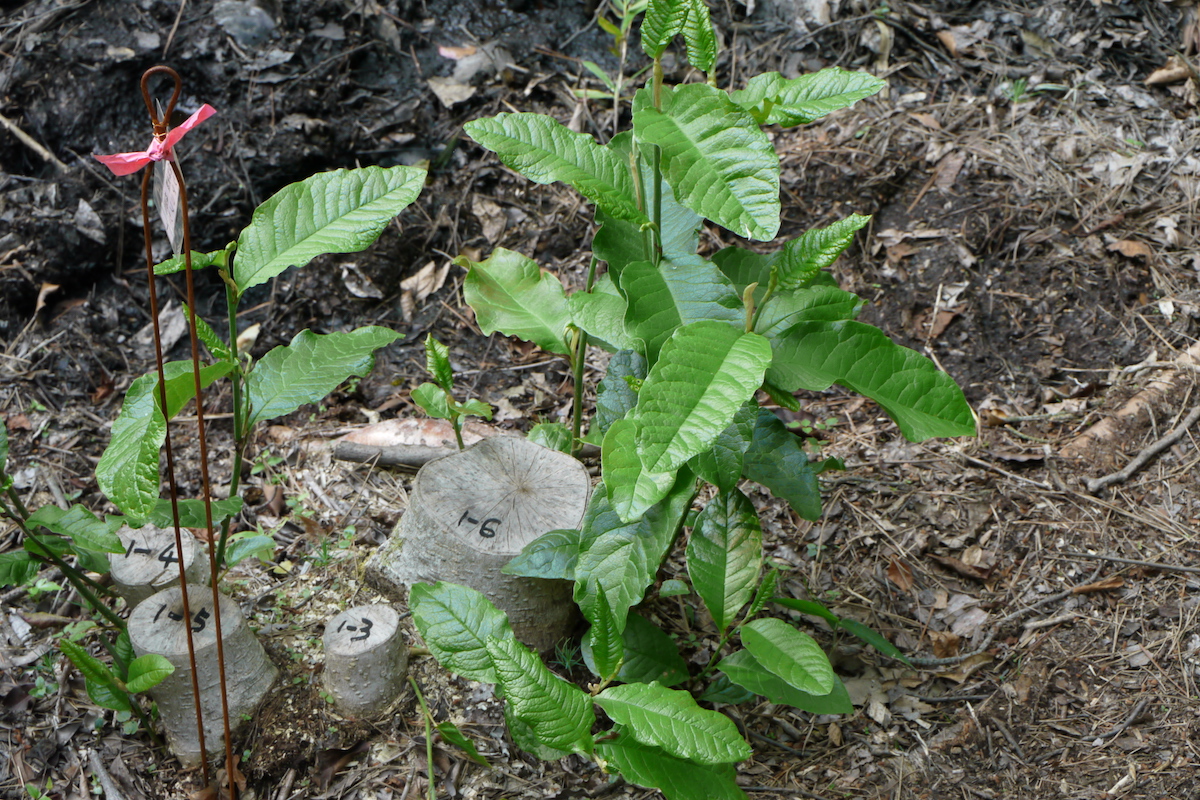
x,y
1034,232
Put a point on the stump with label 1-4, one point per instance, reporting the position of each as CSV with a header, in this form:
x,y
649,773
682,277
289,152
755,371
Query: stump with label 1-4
x,y
470,512
366,660
157,626
150,562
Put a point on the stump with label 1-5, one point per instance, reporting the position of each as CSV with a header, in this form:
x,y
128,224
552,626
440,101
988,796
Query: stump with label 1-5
x,y
157,626
366,660
470,512
150,562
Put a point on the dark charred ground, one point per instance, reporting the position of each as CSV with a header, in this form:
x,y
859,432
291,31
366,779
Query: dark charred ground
x,y
1031,237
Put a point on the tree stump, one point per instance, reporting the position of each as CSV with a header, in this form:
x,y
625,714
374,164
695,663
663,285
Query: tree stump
x,y
150,563
366,660
157,626
470,512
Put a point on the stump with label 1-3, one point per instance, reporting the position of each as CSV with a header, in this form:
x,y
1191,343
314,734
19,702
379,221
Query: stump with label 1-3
x,y
470,512
157,626
366,660
150,562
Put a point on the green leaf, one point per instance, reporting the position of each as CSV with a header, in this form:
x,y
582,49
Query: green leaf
x,y
724,555
148,671
774,100
454,736
764,592
678,291
87,664
17,567
123,654
191,512
649,655
924,401
663,21
614,396
177,263
128,470
601,313
559,714
675,778
873,638
623,557
706,371
716,158
632,489
671,719
721,465
699,37
309,368
432,399
553,435
544,150
343,211
724,691
813,303
240,549
523,737
745,671
802,259
511,294
777,460
673,587
794,656
437,363
604,638
455,623
80,525
552,555
212,341
743,267
107,696
810,607
474,408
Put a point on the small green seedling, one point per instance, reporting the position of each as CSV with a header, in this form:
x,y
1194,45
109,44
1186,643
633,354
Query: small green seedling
x,y
437,399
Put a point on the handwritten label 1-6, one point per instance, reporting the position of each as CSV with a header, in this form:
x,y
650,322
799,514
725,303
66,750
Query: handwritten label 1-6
x,y
487,528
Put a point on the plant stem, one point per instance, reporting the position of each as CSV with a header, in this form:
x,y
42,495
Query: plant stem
x,y
239,415
456,423
579,349
17,504
771,285
431,792
748,302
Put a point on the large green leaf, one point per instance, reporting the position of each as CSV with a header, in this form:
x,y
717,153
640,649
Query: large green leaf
x,y
632,489
601,313
705,372
523,736
812,303
675,778
719,162
724,555
745,671
128,470
614,396
192,514
721,465
794,656
544,150
511,294
773,99
148,671
671,719
744,267
559,713
663,21
604,638
342,211
311,366
649,655
81,526
924,401
680,290
803,258
17,567
456,623
777,460
552,555
623,557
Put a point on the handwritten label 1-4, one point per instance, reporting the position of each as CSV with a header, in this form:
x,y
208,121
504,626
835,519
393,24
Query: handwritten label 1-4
x,y
166,555
487,528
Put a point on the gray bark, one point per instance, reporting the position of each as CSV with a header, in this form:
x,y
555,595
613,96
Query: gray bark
x,y
366,660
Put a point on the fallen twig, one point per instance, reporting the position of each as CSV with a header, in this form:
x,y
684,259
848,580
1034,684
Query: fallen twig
x,y
33,144
1134,563
1144,457
1129,720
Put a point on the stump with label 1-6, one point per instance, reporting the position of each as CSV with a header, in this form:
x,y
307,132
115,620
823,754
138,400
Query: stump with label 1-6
x,y
157,626
366,660
470,512
150,563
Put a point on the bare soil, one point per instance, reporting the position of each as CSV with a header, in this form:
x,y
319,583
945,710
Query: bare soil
x,y
1034,232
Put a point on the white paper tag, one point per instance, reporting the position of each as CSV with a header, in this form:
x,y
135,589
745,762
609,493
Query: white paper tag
x,y
166,198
